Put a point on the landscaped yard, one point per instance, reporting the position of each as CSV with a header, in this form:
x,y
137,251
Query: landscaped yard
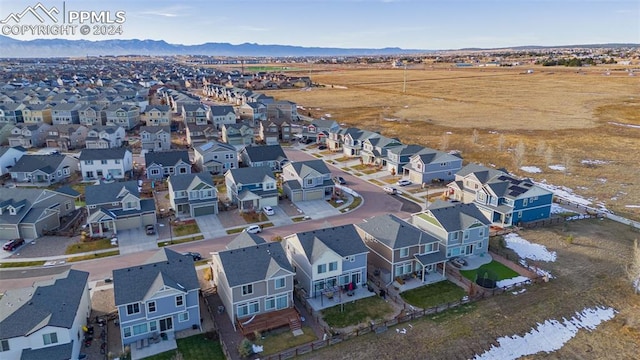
x,y
354,313
185,229
253,217
433,295
194,348
276,341
83,247
494,268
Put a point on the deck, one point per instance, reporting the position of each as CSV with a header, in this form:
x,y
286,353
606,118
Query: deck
x,y
271,320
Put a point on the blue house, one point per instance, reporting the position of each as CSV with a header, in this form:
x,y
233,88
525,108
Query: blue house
x,y
156,300
430,165
504,199
398,157
252,188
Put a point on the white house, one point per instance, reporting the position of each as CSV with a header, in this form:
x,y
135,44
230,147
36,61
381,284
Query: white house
x,y
107,164
9,156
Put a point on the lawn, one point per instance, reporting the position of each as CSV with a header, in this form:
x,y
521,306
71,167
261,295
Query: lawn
x,y
193,348
433,295
88,246
354,313
94,256
277,341
21,264
185,229
502,272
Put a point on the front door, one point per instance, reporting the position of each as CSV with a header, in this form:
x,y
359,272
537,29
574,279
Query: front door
x,y
166,324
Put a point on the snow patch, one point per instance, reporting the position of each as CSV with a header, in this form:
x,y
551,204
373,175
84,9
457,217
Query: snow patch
x,y
548,336
557,209
632,206
528,250
557,167
565,193
625,125
449,133
327,115
531,169
509,282
602,180
593,162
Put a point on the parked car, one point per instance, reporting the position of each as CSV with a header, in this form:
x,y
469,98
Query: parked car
x,y
268,210
253,229
322,147
307,141
196,256
390,190
13,244
403,182
150,229
339,180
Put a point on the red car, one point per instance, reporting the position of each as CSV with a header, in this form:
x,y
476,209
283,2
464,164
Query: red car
x,y
13,244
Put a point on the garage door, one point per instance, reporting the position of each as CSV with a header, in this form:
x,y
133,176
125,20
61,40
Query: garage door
x,y
203,210
315,195
28,231
415,177
8,232
296,196
129,223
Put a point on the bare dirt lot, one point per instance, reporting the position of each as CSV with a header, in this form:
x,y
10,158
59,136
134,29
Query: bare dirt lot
x,y
589,272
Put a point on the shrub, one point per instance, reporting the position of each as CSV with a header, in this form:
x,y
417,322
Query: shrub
x,y
245,349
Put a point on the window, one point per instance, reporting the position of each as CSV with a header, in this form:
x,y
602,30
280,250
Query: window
x,y
151,306
282,302
104,162
182,317
248,308
88,162
344,279
270,303
99,173
322,268
466,235
404,252
481,232
140,329
333,266
126,331
133,309
525,202
117,161
309,181
51,338
430,248
155,172
89,174
4,345
179,300
153,326
247,289
403,269
280,283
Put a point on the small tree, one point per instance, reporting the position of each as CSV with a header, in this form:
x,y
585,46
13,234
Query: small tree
x,y
475,137
548,155
444,142
633,269
518,155
245,348
501,141
541,147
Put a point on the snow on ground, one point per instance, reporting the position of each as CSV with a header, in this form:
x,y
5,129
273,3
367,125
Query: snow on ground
x,y
509,282
625,125
557,167
632,206
565,193
549,336
327,115
531,169
593,162
557,209
527,250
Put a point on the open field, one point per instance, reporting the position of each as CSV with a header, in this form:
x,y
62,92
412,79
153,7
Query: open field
x,y
561,115
589,272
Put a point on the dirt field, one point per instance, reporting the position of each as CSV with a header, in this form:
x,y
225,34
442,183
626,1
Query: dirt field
x,y
562,116
589,272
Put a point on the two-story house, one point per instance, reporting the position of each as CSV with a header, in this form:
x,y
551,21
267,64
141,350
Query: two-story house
x,y
318,130
326,261
398,157
251,188
200,134
194,114
29,136
398,249
155,138
44,169
283,109
11,112
215,157
117,206
65,113
157,115
192,195
37,114
503,198
238,135
374,149
219,115
462,229
156,300
271,132
46,320
108,164
254,277
104,137
127,116
264,155
67,137
352,141
9,156
429,165
5,132
335,139
307,180
253,112
161,164
92,115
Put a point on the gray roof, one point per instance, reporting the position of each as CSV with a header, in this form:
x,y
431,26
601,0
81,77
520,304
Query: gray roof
x,y
405,149
245,239
428,156
265,153
213,146
343,240
56,352
183,181
46,303
165,268
457,216
103,154
155,129
253,263
221,110
108,193
252,175
4,149
166,158
46,163
304,168
395,233
483,173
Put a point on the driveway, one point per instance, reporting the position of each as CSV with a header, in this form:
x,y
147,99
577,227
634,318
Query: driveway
x,y
210,226
280,217
317,209
135,240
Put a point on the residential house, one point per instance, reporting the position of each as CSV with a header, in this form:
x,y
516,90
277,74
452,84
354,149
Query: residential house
x,y
374,149
352,141
401,250
127,116
11,113
155,138
327,260
104,137
157,115
44,169
161,164
462,229
503,198
9,156
117,206
253,277
29,136
5,132
271,132
238,135
193,195
318,130
107,164
251,188
219,115
282,109
67,137
37,114
92,115
264,155
156,300
46,320
65,113
215,157
194,114
27,212
398,157
200,134
253,112
307,180
429,165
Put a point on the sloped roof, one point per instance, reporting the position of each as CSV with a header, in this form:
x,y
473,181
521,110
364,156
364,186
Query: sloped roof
x,y
265,153
183,181
395,233
343,240
46,163
103,154
254,263
482,173
166,158
310,167
457,216
245,239
252,175
108,193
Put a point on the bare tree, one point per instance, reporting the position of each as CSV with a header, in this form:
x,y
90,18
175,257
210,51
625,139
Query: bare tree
x,y
541,147
475,136
548,155
444,142
566,162
501,141
518,154
633,269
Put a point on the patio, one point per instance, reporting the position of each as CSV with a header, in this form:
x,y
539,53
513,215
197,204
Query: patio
x,y
475,261
145,348
413,283
321,302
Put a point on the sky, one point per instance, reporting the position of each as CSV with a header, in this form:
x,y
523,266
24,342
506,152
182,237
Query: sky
x,y
407,24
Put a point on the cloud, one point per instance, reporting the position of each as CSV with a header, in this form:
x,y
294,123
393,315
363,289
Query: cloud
x,y
169,11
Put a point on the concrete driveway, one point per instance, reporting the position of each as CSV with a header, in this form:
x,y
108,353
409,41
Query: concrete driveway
x,y
135,240
210,226
280,217
317,209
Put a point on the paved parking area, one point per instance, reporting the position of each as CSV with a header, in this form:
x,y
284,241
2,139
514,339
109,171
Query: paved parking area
x,y
317,209
210,226
231,218
280,217
136,240
41,247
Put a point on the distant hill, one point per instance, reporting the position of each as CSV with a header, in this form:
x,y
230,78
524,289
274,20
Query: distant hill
x,y
540,47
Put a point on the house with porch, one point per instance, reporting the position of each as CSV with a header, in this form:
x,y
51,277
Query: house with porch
x,y
200,134
107,164
29,136
156,300
194,114
44,169
104,137
374,150
157,115
219,115
264,155
28,212
503,198
328,261
117,206
155,138
398,157
255,281
462,229
9,156
251,188
307,180
161,164
215,157
318,130
429,165
127,116
192,195
46,320
67,137
353,141
398,249
238,135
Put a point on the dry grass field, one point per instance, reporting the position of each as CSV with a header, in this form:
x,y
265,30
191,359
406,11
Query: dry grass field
x,y
562,116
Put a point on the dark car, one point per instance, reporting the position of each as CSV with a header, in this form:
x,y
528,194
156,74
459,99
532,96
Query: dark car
x,y
196,256
322,147
150,229
13,244
307,141
339,180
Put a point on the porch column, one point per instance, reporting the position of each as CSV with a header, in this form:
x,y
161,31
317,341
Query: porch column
x,y
444,267
113,222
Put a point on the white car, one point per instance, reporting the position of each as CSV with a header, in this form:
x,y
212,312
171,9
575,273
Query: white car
x,y
403,182
390,190
253,229
268,210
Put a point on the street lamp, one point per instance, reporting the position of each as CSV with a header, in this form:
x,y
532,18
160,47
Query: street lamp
x,y
170,229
